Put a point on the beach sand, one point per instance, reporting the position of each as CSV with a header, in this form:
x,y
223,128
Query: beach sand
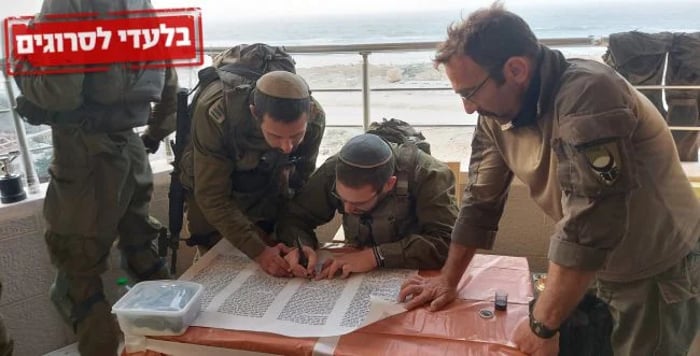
x,y
439,113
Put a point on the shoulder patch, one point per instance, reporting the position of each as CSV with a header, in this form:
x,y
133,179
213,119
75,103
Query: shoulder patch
x,y
217,111
605,162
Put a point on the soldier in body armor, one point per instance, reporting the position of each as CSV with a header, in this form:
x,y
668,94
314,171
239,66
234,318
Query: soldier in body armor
x,y
397,203
253,145
101,179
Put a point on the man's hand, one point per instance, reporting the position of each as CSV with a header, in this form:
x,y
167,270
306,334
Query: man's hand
x,y
532,344
298,270
151,144
358,262
435,290
271,261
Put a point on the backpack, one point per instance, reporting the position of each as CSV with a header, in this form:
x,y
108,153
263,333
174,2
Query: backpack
x,y
242,64
239,65
399,132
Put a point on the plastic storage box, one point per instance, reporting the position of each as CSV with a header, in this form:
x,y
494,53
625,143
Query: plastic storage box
x,y
164,307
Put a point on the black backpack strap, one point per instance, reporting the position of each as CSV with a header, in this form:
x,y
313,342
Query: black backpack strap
x,y
242,70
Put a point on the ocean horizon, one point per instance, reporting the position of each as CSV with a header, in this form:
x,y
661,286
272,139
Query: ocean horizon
x,y
556,20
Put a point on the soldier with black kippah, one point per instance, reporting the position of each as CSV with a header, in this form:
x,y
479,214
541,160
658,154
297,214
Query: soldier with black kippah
x,y
397,203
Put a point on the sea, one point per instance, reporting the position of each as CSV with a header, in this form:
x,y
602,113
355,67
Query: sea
x,y
548,19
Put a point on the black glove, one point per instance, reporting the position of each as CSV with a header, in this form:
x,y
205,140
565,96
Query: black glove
x,y
33,114
151,144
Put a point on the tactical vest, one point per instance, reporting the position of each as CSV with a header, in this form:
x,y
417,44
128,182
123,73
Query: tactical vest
x,y
120,97
263,177
394,216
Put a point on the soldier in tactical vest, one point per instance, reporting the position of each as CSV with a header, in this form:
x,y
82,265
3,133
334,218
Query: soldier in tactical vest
x,y
253,145
397,203
101,179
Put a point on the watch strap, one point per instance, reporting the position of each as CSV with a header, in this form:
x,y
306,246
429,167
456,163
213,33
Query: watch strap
x,y
537,327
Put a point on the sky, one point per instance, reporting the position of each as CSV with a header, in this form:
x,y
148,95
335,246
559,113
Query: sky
x,y
219,10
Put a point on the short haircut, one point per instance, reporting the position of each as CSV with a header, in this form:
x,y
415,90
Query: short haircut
x,y
356,177
279,109
489,36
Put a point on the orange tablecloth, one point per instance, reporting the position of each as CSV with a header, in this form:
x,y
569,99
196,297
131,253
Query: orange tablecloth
x,y
457,329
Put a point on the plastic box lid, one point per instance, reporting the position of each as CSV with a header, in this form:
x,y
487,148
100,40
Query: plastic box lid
x,y
165,297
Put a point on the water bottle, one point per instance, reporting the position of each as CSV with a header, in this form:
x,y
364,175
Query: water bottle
x,y
122,286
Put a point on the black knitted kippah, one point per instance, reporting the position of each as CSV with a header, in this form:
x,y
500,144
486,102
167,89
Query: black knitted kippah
x,y
365,151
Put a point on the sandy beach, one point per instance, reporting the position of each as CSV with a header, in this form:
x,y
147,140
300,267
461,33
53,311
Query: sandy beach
x,y
438,114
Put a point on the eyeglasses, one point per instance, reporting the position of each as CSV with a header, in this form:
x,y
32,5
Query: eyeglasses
x,y
469,95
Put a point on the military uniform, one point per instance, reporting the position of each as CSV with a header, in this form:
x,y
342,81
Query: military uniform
x,y
101,180
599,159
236,183
6,344
410,226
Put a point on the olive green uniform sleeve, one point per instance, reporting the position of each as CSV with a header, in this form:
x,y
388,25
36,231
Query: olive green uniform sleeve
x,y
56,92
162,121
436,211
313,206
212,175
596,172
484,198
309,148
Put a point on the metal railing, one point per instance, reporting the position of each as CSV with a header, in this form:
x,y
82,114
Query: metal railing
x,y
364,50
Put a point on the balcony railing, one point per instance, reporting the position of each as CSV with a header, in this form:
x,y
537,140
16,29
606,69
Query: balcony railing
x,y
364,50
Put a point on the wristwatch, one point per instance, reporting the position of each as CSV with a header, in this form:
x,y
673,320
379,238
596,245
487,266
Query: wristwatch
x,y
537,327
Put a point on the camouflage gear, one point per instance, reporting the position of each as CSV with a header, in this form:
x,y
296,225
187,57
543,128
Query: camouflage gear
x,y
598,159
162,120
101,185
6,344
101,180
411,225
239,182
399,132
640,58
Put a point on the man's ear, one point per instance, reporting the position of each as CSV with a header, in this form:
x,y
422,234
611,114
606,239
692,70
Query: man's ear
x,y
390,183
517,69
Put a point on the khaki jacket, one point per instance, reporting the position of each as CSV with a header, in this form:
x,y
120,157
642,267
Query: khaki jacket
x,y
599,159
411,226
223,166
